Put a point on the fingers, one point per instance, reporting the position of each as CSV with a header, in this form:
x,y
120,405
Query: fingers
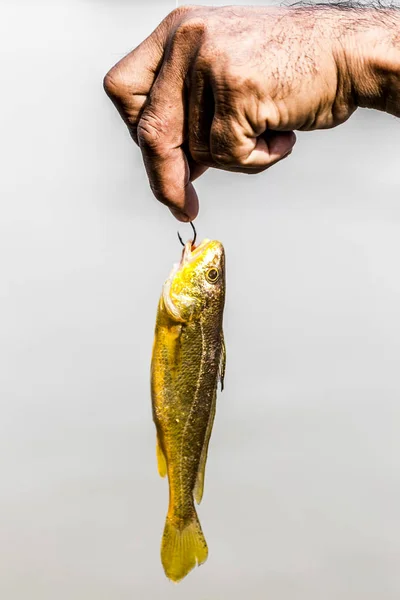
x,y
222,136
162,130
225,145
181,137
129,82
161,134
232,147
147,89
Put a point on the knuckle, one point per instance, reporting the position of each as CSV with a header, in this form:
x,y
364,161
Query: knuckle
x,y
114,83
191,28
148,135
150,131
108,84
182,11
175,21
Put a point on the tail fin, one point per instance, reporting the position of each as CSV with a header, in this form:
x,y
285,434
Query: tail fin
x,y
182,549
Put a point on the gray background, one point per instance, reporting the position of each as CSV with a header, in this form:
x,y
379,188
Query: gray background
x,y
303,481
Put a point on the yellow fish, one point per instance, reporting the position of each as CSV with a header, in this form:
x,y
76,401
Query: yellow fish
x,y
187,362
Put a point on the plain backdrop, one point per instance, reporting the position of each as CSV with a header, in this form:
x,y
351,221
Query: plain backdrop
x,y
302,486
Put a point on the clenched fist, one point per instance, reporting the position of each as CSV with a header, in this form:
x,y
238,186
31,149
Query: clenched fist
x,y
226,87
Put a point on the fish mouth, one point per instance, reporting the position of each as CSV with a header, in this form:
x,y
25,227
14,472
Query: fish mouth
x,y
190,252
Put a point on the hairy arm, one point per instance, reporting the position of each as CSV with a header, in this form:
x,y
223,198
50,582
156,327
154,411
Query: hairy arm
x,y
370,42
226,87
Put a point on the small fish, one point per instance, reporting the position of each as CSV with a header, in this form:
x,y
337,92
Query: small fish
x,y
187,362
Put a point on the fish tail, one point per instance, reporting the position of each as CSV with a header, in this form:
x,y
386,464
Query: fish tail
x,y
182,547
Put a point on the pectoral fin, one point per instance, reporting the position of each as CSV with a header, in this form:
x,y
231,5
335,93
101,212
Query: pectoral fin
x,y
161,460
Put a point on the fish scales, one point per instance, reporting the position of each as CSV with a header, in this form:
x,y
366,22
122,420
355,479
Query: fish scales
x,y
188,357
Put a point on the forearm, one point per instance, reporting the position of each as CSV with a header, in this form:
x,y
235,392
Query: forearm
x,y
369,45
381,48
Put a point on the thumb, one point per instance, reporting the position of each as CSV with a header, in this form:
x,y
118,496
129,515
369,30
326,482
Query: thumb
x,y
162,129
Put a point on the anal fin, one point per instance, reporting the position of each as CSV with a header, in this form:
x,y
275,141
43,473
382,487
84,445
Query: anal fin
x,y
161,460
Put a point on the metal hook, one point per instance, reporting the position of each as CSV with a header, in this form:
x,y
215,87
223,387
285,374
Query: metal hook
x,y
194,235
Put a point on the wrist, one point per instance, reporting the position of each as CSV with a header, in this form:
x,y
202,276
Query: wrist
x,y
370,42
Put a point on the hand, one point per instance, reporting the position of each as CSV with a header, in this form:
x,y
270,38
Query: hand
x,y
226,87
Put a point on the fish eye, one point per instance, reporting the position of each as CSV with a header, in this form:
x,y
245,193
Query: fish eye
x,y
212,275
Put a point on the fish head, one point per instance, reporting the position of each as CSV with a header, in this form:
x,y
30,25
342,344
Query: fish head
x,y
197,283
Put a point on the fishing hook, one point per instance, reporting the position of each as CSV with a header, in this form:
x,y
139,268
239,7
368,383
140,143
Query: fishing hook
x,y
194,235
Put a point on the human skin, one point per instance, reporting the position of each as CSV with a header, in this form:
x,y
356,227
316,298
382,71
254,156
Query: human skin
x,y
226,87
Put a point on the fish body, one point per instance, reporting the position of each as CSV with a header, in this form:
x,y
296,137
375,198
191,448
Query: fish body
x,y
188,360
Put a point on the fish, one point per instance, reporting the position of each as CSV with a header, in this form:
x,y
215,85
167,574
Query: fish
x,y
188,361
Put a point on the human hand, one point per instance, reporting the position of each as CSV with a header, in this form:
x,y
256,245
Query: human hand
x,y
225,87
